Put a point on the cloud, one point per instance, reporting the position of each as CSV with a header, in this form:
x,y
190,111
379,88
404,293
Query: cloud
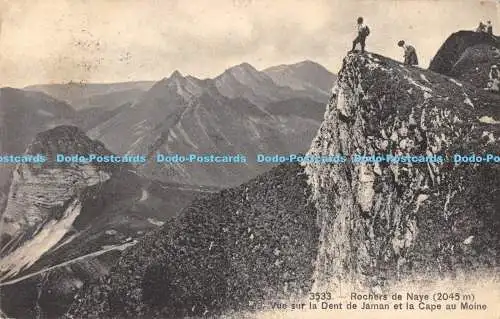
x,y
118,40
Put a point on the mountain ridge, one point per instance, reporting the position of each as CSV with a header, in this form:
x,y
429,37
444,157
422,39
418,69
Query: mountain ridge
x,y
79,95
241,109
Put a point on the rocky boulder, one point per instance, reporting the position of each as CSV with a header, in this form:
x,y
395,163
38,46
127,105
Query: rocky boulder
x,y
468,56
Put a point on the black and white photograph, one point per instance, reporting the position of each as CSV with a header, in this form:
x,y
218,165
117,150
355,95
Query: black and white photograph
x,y
249,159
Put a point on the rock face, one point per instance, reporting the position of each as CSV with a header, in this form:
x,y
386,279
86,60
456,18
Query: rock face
x,y
382,222
64,223
22,116
36,191
232,250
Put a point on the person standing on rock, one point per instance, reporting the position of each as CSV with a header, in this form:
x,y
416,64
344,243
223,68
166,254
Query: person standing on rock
x,y
363,32
489,28
410,55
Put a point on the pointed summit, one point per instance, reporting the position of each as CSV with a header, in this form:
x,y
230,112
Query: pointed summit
x,y
243,73
176,75
175,80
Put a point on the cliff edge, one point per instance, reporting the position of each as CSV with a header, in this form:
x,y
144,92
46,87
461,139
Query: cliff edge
x,y
383,222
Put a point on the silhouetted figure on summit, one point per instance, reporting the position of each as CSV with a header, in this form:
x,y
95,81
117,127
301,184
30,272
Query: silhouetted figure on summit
x,y
410,57
481,27
363,32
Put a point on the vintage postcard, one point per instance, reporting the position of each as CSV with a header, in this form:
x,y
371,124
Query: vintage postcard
x,y
249,159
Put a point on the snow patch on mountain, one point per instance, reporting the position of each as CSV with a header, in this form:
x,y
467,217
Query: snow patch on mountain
x,y
41,242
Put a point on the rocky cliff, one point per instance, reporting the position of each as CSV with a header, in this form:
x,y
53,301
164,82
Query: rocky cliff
x,y
386,221
454,47
64,223
22,116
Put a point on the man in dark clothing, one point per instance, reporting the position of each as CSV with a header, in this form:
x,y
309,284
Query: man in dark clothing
x,y
363,32
410,57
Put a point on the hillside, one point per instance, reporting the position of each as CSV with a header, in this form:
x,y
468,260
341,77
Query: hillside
x,y
23,114
253,242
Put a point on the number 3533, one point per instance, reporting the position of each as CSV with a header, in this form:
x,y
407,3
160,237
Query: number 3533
x,y
317,296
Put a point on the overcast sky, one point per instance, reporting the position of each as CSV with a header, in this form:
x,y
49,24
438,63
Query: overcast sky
x,y
53,41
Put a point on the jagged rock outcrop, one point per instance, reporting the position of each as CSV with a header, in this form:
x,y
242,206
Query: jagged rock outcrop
x,y
467,56
235,250
382,222
46,196
22,115
65,222
456,44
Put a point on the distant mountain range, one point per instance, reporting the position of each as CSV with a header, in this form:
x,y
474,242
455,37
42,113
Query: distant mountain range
x,y
62,225
241,110
88,95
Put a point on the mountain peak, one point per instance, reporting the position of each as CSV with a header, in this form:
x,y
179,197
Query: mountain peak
x,y
245,65
176,75
242,69
66,139
175,80
306,62
451,50
304,75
